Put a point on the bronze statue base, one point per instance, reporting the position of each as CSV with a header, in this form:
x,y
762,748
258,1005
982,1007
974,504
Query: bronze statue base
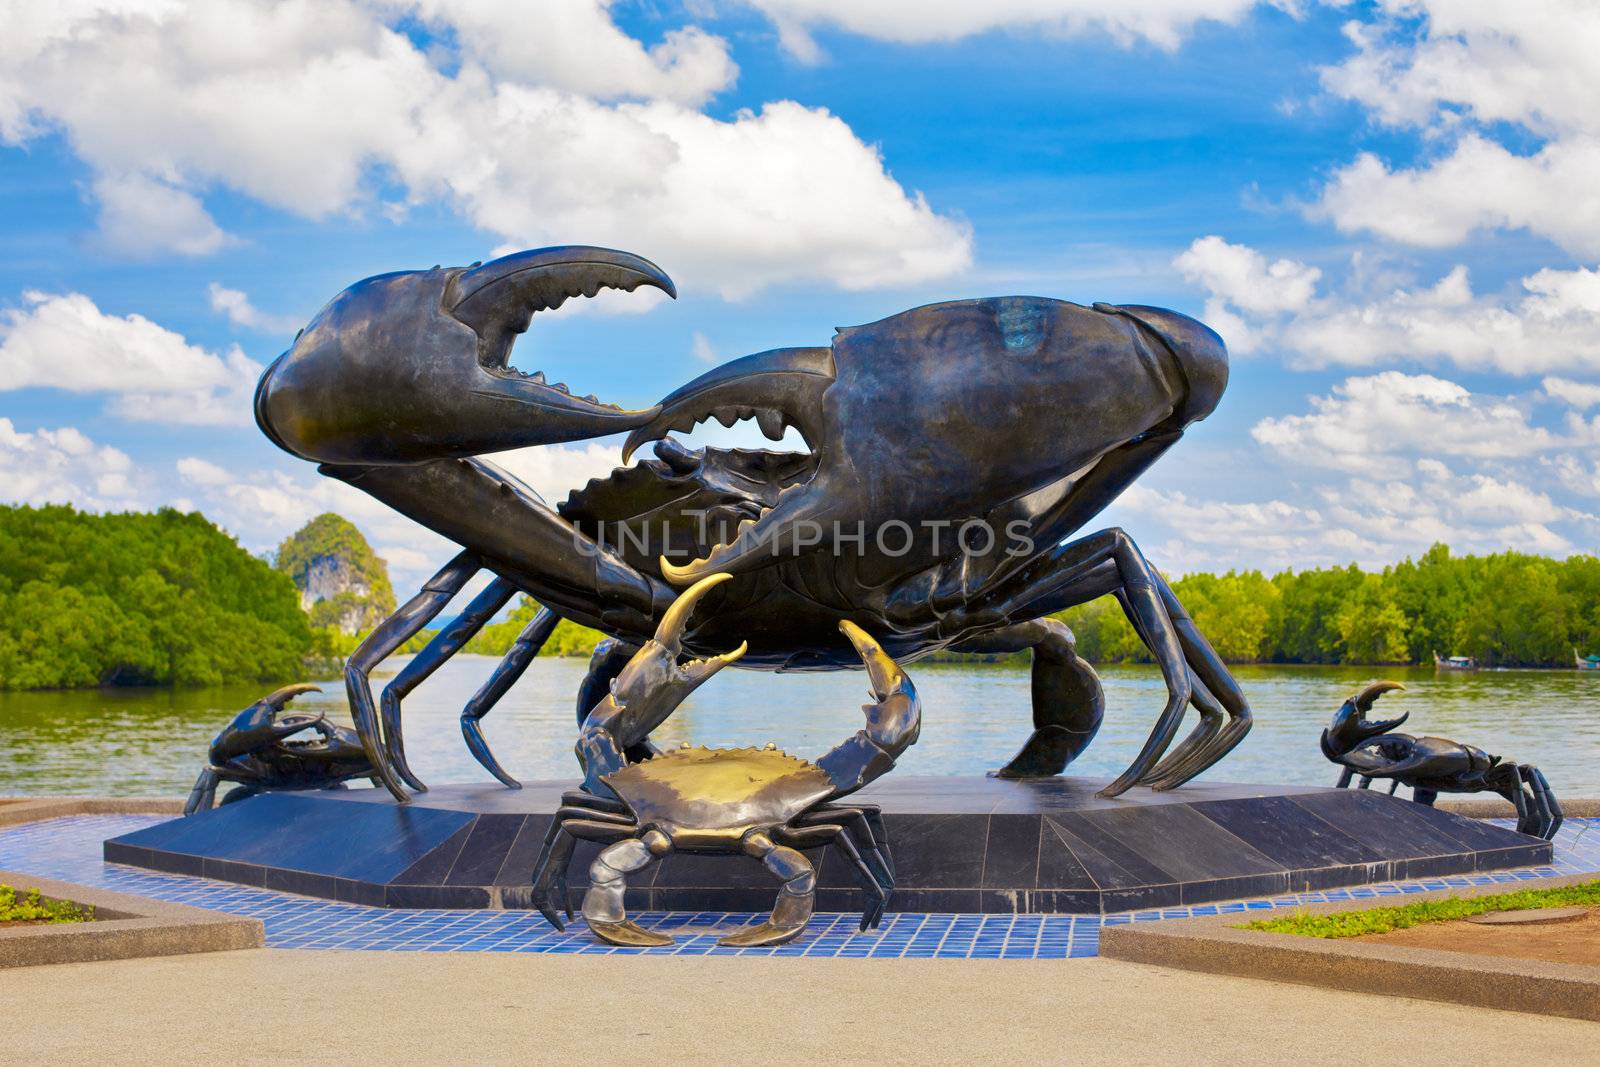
x,y
959,844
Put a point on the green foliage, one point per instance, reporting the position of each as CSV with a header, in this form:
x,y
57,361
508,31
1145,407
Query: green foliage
x,y
1508,609
1382,920
139,599
35,909
568,639
1371,628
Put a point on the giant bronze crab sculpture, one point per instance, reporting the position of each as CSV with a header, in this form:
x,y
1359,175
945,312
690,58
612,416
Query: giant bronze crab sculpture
x,y
757,802
1024,415
1433,765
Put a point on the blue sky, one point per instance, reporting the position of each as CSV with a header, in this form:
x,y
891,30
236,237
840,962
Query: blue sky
x,y
1389,211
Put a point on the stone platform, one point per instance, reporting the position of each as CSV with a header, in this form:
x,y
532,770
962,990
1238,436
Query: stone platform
x,y
960,845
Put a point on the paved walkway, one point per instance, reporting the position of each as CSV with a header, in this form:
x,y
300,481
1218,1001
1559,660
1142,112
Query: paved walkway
x,y
281,1007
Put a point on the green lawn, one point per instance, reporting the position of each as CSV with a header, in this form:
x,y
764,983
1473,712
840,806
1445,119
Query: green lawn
x,y
1382,920
32,908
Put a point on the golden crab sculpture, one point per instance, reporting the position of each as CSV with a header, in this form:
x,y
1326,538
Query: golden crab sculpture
x,y
758,802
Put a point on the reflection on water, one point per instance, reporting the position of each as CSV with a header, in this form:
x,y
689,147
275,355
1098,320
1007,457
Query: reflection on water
x,y
152,742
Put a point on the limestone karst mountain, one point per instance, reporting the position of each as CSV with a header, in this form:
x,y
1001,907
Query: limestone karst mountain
x,y
343,584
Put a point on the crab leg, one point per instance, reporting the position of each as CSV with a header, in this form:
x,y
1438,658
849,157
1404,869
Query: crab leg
x,y
555,855
1058,569
506,674
203,796
868,863
1095,566
1219,684
1068,703
445,643
608,884
389,635
873,845
796,899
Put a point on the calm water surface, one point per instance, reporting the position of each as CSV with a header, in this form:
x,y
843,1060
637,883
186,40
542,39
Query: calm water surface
x,y
152,742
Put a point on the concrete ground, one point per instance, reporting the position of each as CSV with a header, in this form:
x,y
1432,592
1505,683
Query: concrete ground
x,y
289,1007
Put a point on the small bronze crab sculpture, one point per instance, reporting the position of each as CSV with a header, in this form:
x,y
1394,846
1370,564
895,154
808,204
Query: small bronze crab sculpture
x,y
1024,415
259,751
758,802
1433,765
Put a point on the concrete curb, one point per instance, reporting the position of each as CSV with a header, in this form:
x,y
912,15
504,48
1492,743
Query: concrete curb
x,y
1213,944
17,810
1497,808
125,927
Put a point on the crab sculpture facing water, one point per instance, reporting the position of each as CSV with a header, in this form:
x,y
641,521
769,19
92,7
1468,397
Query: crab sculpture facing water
x,y
1433,765
757,802
955,451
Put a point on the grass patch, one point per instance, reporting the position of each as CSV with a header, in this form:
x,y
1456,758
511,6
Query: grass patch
x,y
32,908
1382,920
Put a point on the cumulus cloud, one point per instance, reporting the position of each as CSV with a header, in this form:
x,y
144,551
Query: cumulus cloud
x,y
63,466
1477,185
236,305
1370,424
1581,395
1160,22
1381,467
1369,521
574,45
153,374
566,132
140,214
1553,326
1469,74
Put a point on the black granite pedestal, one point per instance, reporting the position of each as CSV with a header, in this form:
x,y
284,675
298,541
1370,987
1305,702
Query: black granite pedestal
x,y
960,845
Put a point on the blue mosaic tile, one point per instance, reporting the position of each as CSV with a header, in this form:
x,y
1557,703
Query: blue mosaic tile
x,y
69,849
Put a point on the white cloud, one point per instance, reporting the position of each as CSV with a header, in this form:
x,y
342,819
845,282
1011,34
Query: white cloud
x,y
1239,276
1371,424
1477,185
1554,326
1464,71
1161,22
555,470
236,305
63,466
1383,466
66,342
1581,395
703,350
139,215
1368,521
574,45
297,105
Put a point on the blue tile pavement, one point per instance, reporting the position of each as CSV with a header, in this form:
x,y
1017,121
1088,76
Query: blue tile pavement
x,y
69,849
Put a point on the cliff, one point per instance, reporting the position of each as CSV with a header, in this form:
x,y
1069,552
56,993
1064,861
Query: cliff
x,y
343,584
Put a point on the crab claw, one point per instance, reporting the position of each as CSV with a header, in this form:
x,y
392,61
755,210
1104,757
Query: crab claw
x,y
414,366
258,724
1350,726
893,723
652,684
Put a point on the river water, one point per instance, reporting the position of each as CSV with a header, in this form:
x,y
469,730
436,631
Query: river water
x,y
152,742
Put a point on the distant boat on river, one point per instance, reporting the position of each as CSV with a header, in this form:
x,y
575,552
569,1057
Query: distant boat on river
x,y
1586,663
1454,663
